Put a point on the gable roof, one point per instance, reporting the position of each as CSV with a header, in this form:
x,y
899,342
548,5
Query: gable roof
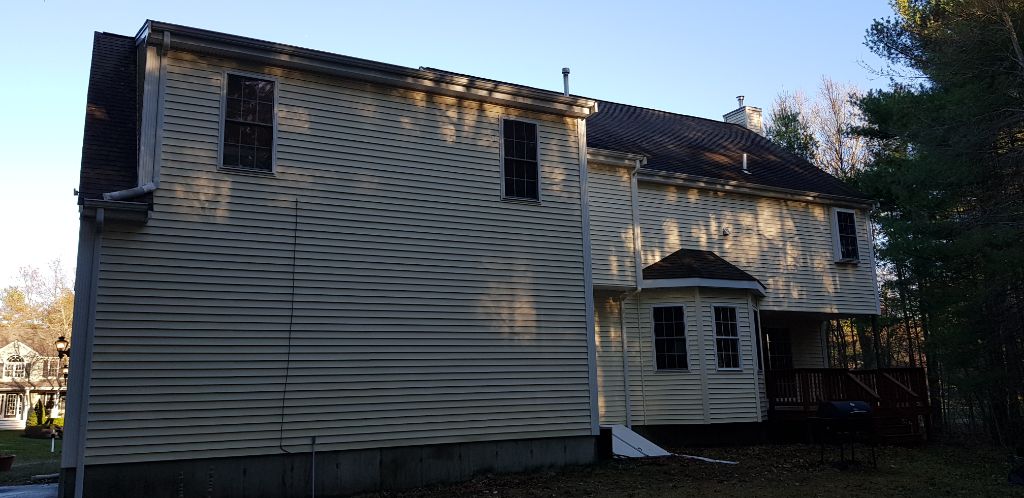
x,y
109,157
693,263
676,143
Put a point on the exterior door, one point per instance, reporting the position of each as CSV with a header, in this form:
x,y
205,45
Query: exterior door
x,y
780,349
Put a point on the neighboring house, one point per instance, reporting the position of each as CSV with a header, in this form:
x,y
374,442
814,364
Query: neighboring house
x,y
409,276
28,376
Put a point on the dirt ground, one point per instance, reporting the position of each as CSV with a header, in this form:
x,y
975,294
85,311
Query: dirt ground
x,y
769,470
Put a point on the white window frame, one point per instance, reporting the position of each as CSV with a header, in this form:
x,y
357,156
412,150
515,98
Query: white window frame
x,y
654,342
837,248
501,160
10,368
737,337
223,116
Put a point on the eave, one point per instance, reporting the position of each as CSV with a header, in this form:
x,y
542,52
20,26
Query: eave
x,y
196,40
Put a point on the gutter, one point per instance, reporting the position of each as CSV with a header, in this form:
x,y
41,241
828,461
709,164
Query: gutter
x,y
703,182
131,193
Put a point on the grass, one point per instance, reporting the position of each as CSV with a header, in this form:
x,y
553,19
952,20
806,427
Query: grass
x,y
768,471
32,457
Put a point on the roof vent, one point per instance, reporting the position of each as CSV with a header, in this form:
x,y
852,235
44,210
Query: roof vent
x,y
745,170
746,116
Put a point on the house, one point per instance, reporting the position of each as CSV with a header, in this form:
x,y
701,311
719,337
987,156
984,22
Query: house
x,y
300,271
28,376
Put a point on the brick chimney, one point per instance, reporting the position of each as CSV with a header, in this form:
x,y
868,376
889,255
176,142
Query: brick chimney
x,y
746,116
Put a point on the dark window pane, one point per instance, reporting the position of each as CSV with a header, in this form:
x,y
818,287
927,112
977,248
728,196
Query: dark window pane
x,y
531,151
265,113
265,91
247,156
231,133
248,135
234,110
249,91
248,110
234,86
531,190
264,136
230,154
263,156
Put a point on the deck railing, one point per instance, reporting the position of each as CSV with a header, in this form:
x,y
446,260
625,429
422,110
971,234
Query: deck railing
x,y
901,390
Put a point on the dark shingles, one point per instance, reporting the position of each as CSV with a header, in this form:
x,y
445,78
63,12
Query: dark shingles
x,y
692,263
109,155
702,147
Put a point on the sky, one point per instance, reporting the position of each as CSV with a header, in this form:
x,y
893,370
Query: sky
x,y
691,57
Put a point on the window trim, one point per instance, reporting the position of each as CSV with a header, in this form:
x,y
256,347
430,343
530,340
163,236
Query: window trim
x,y
837,248
501,161
23,364
223,119
737,337
654,343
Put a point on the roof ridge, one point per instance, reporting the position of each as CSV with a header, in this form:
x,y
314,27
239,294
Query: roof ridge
x,y
672,113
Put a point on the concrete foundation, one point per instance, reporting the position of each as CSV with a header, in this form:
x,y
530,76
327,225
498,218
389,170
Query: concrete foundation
x,y
338,473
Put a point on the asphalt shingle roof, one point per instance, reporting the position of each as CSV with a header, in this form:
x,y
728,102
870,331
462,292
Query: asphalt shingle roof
x,y
109,154
677,143
692,263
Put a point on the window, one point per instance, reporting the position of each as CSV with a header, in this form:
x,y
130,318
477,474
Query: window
x,y
669,338
14,367
51,368
727,338
519,160
249,124
846,235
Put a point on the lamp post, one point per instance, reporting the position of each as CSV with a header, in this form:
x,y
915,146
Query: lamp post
x,y
63,349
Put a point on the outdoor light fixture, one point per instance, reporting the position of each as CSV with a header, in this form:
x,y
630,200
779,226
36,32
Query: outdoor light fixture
x,y
64,371
63,347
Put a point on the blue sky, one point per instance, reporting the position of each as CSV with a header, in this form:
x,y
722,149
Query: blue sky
x,y
691,57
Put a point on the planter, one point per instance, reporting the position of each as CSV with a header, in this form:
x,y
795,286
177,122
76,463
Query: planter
x,y
5,462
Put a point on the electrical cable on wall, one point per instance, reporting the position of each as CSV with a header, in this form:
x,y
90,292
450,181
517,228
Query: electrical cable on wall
x,y
291,321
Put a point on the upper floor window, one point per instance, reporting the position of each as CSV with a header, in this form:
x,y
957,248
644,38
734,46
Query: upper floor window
x,y
249,124
51,367
669,338
519,164
727,338
14,367
845,229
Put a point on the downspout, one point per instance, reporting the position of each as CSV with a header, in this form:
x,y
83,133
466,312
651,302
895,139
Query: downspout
x,y
755,332
639,277
588,278
131,193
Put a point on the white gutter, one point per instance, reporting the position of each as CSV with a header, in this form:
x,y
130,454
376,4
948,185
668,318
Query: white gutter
x,y
718,283
703,182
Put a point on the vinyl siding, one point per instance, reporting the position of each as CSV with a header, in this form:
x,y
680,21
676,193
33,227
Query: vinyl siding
x,y
786,245
611,226
701,394
610,374
374,292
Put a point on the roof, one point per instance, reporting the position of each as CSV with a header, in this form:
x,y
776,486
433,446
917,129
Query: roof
x,y
109,157
676,143
693,263
39,340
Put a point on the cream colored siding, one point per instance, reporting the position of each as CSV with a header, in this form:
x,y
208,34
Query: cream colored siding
x,y
610,372
701,394
787,245
611,226
376,288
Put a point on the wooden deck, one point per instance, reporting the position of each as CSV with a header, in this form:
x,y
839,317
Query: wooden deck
x,y
894,392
